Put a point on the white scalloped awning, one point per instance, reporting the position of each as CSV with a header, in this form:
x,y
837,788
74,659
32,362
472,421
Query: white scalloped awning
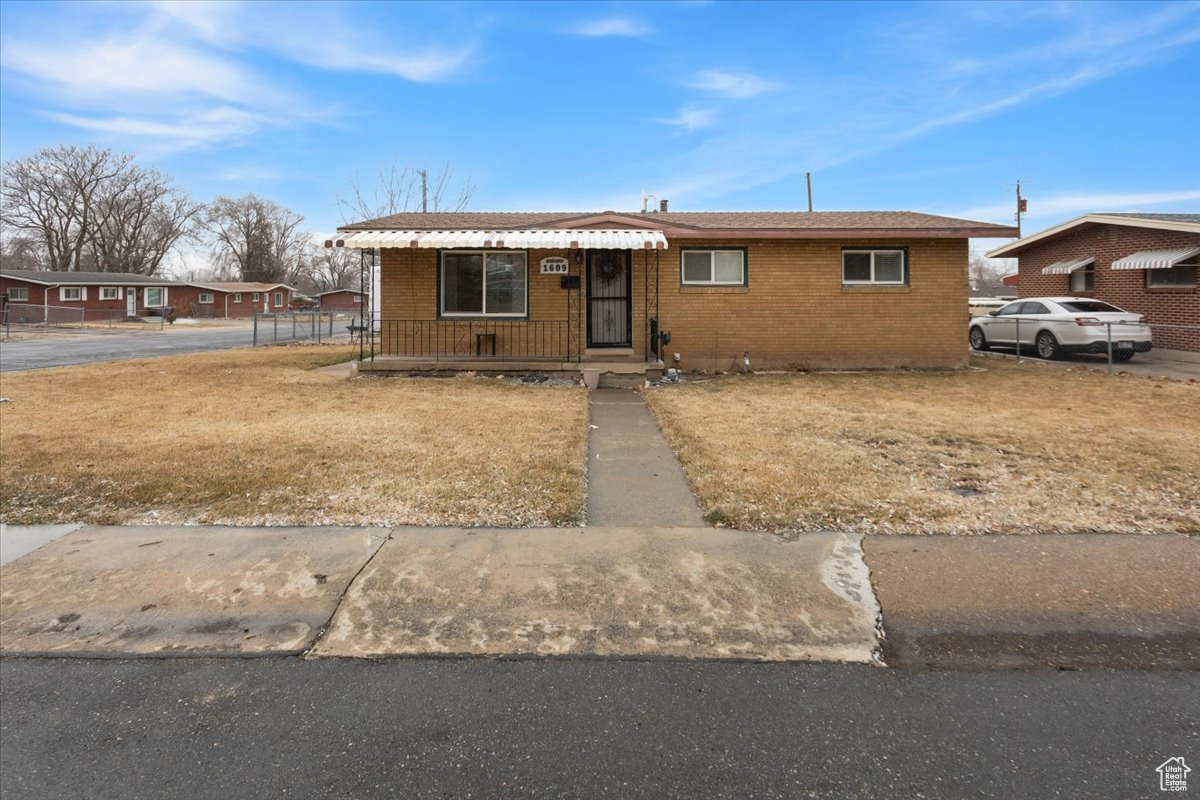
x,y
1156,259
610,239
1067,267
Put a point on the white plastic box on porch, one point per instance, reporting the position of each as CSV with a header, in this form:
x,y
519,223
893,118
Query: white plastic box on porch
x,y
587,239
620,367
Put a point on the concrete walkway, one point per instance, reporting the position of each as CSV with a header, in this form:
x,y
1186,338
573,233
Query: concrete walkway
x,y
17,540
634,478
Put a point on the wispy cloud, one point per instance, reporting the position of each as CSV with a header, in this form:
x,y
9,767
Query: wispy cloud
x,y
739,85
927,79
690,119
612,26
171,76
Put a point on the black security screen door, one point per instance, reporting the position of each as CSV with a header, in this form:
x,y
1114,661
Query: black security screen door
x,y
609,301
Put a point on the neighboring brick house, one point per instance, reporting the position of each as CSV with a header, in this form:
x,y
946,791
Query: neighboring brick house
x,y
226,299
784,289
98,295
1146,263
346,301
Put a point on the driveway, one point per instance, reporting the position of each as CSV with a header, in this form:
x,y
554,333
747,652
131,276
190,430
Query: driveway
x,y
1145,365
65,349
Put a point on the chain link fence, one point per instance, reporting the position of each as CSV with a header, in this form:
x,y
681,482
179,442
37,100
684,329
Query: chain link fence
x,y
301,326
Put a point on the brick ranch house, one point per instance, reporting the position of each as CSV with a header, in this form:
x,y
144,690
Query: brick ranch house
x,y
1146,263
344,300
229,300
100,295
700,290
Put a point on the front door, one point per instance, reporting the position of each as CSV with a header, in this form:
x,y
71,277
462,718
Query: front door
x,y
131,302
609,292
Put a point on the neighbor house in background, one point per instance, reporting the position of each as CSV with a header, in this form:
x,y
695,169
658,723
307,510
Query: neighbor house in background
x,y
347,301
232,299
1145,263
627,292
97,295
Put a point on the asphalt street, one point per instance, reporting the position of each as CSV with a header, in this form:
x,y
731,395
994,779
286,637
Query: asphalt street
x,y
346,728
64,349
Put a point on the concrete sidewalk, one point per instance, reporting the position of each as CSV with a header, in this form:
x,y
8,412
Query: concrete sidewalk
x,y
634,478
1054,601
974,602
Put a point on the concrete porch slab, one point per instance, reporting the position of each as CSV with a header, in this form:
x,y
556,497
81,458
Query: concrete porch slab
x,y
611,592
179,590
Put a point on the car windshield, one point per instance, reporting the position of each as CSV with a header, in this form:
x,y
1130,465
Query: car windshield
x,y
1092,306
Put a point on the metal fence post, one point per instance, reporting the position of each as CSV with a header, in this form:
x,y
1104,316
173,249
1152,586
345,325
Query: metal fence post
x,y
1018,337
255,344
275,328
1108,326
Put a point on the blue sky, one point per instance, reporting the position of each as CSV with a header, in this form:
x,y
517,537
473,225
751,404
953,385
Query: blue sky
x,y
579,106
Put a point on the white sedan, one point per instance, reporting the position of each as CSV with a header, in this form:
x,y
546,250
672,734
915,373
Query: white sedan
x,y
1058,325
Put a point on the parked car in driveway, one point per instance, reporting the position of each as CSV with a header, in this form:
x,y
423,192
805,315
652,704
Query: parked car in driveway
x,y
1055,326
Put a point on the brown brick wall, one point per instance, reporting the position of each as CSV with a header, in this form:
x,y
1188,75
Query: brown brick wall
x,y
94,308
1124,288
794,312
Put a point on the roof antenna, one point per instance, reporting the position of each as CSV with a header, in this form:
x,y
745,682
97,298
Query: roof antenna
x,y
808,180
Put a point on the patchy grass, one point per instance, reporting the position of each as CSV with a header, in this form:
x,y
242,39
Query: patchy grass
x,y
1005,447
258,437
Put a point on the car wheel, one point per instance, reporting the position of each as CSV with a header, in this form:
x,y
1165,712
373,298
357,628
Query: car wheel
x,y
1047,345
1122,356
977,339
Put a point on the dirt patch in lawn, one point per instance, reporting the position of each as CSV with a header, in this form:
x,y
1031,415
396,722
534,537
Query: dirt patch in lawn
x,y
1003,447
258,437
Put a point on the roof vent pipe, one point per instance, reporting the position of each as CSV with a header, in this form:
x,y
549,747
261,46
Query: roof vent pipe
x,y
662,206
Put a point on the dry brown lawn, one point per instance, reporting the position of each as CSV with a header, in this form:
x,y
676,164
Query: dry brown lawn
x,y
258,437
1003,447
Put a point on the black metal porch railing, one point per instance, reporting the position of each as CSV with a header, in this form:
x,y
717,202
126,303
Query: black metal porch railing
x,y
499,339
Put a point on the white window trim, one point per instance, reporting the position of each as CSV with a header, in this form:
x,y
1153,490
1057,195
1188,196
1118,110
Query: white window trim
x,y
82,294
484,313
24,290
279,299
872,251
116,293
254,298
209,295
712,266
358,297
146,299
237,297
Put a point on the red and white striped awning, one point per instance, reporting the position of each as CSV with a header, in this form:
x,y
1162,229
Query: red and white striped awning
x,y
588,239
1156,259
1067,267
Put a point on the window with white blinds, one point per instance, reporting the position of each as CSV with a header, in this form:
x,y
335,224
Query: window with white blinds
x,y
714,267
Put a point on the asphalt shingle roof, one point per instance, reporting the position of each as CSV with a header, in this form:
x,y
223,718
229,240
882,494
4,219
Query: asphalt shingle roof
x,y
696,220
80,278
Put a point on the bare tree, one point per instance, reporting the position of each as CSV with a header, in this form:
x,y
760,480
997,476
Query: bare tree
x,y
140,218
398,188
53,195
985,273
256,239
329,268
20,252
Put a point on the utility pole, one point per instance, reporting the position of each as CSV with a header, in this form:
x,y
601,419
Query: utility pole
x,y
1022,207
424,191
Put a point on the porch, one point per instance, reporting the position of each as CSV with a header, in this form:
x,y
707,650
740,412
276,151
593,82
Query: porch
x,y
516,300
